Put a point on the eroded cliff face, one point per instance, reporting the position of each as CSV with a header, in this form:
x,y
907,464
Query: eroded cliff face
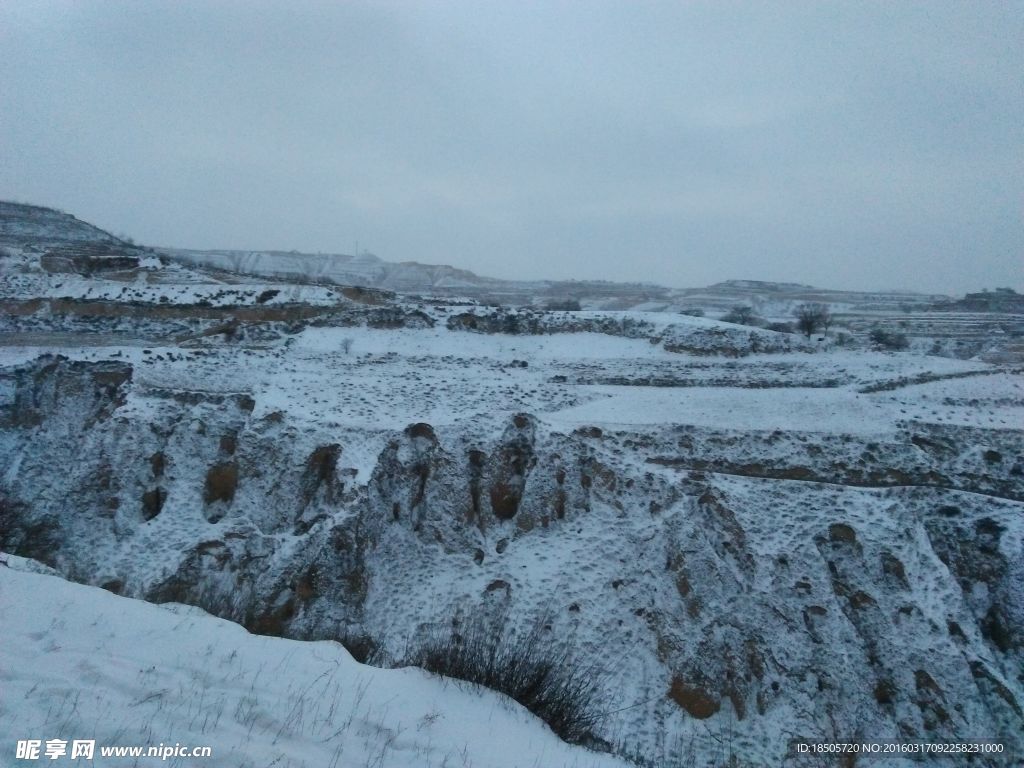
x,y
761,587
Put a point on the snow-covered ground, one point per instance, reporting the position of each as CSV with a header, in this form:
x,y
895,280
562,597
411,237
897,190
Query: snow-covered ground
x,y
77,663
371,378
791,409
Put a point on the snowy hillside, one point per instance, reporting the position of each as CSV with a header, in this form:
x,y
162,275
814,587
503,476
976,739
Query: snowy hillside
x,y
364,269
80,663
747,538
34,225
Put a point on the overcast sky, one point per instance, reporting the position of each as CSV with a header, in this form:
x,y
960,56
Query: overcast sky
x,y
849,145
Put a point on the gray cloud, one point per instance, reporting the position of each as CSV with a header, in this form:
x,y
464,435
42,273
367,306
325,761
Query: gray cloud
x,y
861,145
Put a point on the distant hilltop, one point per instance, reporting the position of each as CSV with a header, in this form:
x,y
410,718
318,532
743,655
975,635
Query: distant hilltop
x,y
68,243
998,300
21,223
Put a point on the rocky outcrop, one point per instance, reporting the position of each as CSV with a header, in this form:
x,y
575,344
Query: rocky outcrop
x,y
509,467
90,258
972,551
22,224
706,600
54,384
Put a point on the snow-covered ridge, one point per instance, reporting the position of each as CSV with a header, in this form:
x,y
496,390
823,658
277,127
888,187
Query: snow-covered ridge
x,y
33,224
79,663
344,269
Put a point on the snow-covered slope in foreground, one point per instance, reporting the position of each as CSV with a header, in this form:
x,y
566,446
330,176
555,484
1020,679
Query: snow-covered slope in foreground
x,y
80,663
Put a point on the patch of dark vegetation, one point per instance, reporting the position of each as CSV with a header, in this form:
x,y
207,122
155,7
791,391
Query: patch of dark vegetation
x,y
528,668
886,339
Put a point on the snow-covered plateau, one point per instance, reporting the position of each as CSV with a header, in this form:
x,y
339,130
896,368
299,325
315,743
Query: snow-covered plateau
x,y
747,539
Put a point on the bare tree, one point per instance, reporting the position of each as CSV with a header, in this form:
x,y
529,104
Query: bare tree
x,y
825,317
812,316
741,314
346,344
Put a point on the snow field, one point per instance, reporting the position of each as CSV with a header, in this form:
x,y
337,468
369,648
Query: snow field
x,y
79,663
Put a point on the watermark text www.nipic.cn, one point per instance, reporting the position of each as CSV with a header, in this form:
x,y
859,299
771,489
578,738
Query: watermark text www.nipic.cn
x,y
85,749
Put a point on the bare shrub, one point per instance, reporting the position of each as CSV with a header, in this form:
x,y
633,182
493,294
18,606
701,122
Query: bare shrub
x,y
527,668
885,339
